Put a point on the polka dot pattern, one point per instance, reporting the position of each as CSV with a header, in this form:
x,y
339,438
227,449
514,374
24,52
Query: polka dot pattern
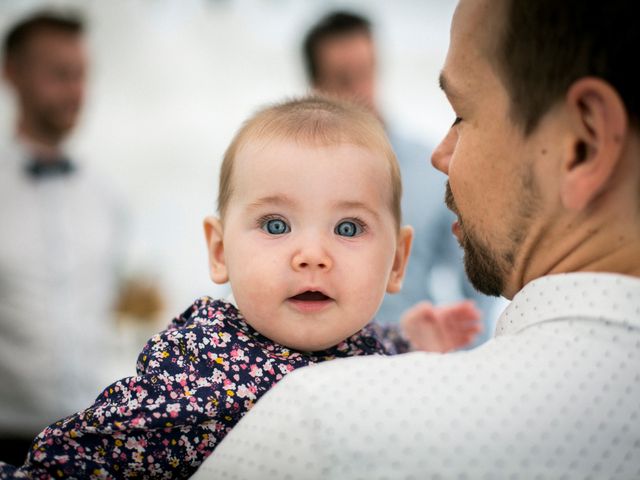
x,y
555,395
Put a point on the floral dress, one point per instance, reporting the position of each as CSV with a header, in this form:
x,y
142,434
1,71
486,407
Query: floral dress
x,y
195,381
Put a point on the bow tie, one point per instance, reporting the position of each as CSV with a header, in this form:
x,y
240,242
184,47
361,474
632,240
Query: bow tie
x,y
41,168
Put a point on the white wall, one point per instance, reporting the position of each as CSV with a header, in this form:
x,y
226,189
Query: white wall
x,y
173,79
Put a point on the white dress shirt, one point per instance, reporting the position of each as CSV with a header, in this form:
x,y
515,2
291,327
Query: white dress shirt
x,y
60,238
555,395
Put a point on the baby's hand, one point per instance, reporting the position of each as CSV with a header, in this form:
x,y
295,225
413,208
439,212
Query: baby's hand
x,y
441,329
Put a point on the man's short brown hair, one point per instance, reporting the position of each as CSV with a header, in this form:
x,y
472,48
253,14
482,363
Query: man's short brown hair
x,y
313,121
334,24
546,45
18,36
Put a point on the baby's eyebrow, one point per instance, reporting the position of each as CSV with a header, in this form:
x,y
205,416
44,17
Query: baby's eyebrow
x,y
271,200
354,204
283,200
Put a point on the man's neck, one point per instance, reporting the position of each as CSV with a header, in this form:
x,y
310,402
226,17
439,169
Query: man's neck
x,y
608,241
39,143
616,253
604,236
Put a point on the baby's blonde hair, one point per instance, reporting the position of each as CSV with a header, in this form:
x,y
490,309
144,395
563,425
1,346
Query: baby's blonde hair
x,y
316,121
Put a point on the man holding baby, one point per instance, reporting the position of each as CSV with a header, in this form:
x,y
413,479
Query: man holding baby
x,y
544,177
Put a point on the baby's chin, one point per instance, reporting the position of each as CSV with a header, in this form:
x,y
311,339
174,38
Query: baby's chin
x,y
315,344
302,345
304,332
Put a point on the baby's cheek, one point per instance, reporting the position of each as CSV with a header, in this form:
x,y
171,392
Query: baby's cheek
x,y
368,296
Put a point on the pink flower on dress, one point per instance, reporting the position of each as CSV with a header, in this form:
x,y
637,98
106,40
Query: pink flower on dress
x,y
173,409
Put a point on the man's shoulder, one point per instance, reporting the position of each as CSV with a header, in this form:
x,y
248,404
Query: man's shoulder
x,y
509,405
355,410
374,375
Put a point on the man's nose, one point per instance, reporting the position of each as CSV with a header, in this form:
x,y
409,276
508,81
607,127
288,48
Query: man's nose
x,y
311,256
441,156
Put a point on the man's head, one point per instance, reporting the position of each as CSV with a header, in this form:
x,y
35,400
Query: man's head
x,y
45,62
543,152
340,58
309,232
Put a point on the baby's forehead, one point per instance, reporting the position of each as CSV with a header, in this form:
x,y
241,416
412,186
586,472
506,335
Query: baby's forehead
x,y
314,182
283,164
271,150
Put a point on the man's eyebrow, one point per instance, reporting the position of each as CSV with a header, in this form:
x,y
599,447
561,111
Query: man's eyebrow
x,y
442,81
446,87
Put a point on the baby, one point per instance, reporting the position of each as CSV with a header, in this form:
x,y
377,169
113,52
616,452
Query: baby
x,y
309,237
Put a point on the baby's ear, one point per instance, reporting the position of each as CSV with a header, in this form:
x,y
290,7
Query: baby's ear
x,y
403,248
215,246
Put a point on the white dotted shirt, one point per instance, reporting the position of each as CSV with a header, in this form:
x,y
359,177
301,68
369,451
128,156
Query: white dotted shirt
x,y
555,395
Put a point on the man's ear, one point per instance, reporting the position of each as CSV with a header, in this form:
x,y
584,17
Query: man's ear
x,y
12,70
598,132
403,249
215,246
8,72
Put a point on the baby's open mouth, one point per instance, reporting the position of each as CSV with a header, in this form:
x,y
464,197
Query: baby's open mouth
x,y
310,296
310,302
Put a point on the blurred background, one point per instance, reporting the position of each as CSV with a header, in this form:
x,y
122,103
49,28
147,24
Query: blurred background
x,y
170,81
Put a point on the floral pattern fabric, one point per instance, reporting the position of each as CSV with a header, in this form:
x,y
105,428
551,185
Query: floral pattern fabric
x,y
194,382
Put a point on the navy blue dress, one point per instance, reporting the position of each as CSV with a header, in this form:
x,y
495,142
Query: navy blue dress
x,y
194,382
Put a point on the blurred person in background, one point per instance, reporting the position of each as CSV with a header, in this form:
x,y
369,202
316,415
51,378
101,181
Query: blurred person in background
x,y
62,235
340,59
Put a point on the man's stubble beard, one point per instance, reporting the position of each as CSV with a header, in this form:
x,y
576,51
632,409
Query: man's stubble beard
x,y
486,268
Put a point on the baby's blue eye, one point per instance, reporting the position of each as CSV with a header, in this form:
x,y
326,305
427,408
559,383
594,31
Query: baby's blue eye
x,y
348,228
276,226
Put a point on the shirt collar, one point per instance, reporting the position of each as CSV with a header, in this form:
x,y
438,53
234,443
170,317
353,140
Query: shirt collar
x,y
607,296
27,150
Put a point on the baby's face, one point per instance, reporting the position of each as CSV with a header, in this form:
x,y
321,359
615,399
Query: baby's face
x,y
309,241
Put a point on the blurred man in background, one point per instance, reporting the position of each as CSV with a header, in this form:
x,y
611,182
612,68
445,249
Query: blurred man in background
x,y
340,58
61,228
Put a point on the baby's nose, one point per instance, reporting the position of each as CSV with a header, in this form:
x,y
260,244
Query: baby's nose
x,y
311,258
